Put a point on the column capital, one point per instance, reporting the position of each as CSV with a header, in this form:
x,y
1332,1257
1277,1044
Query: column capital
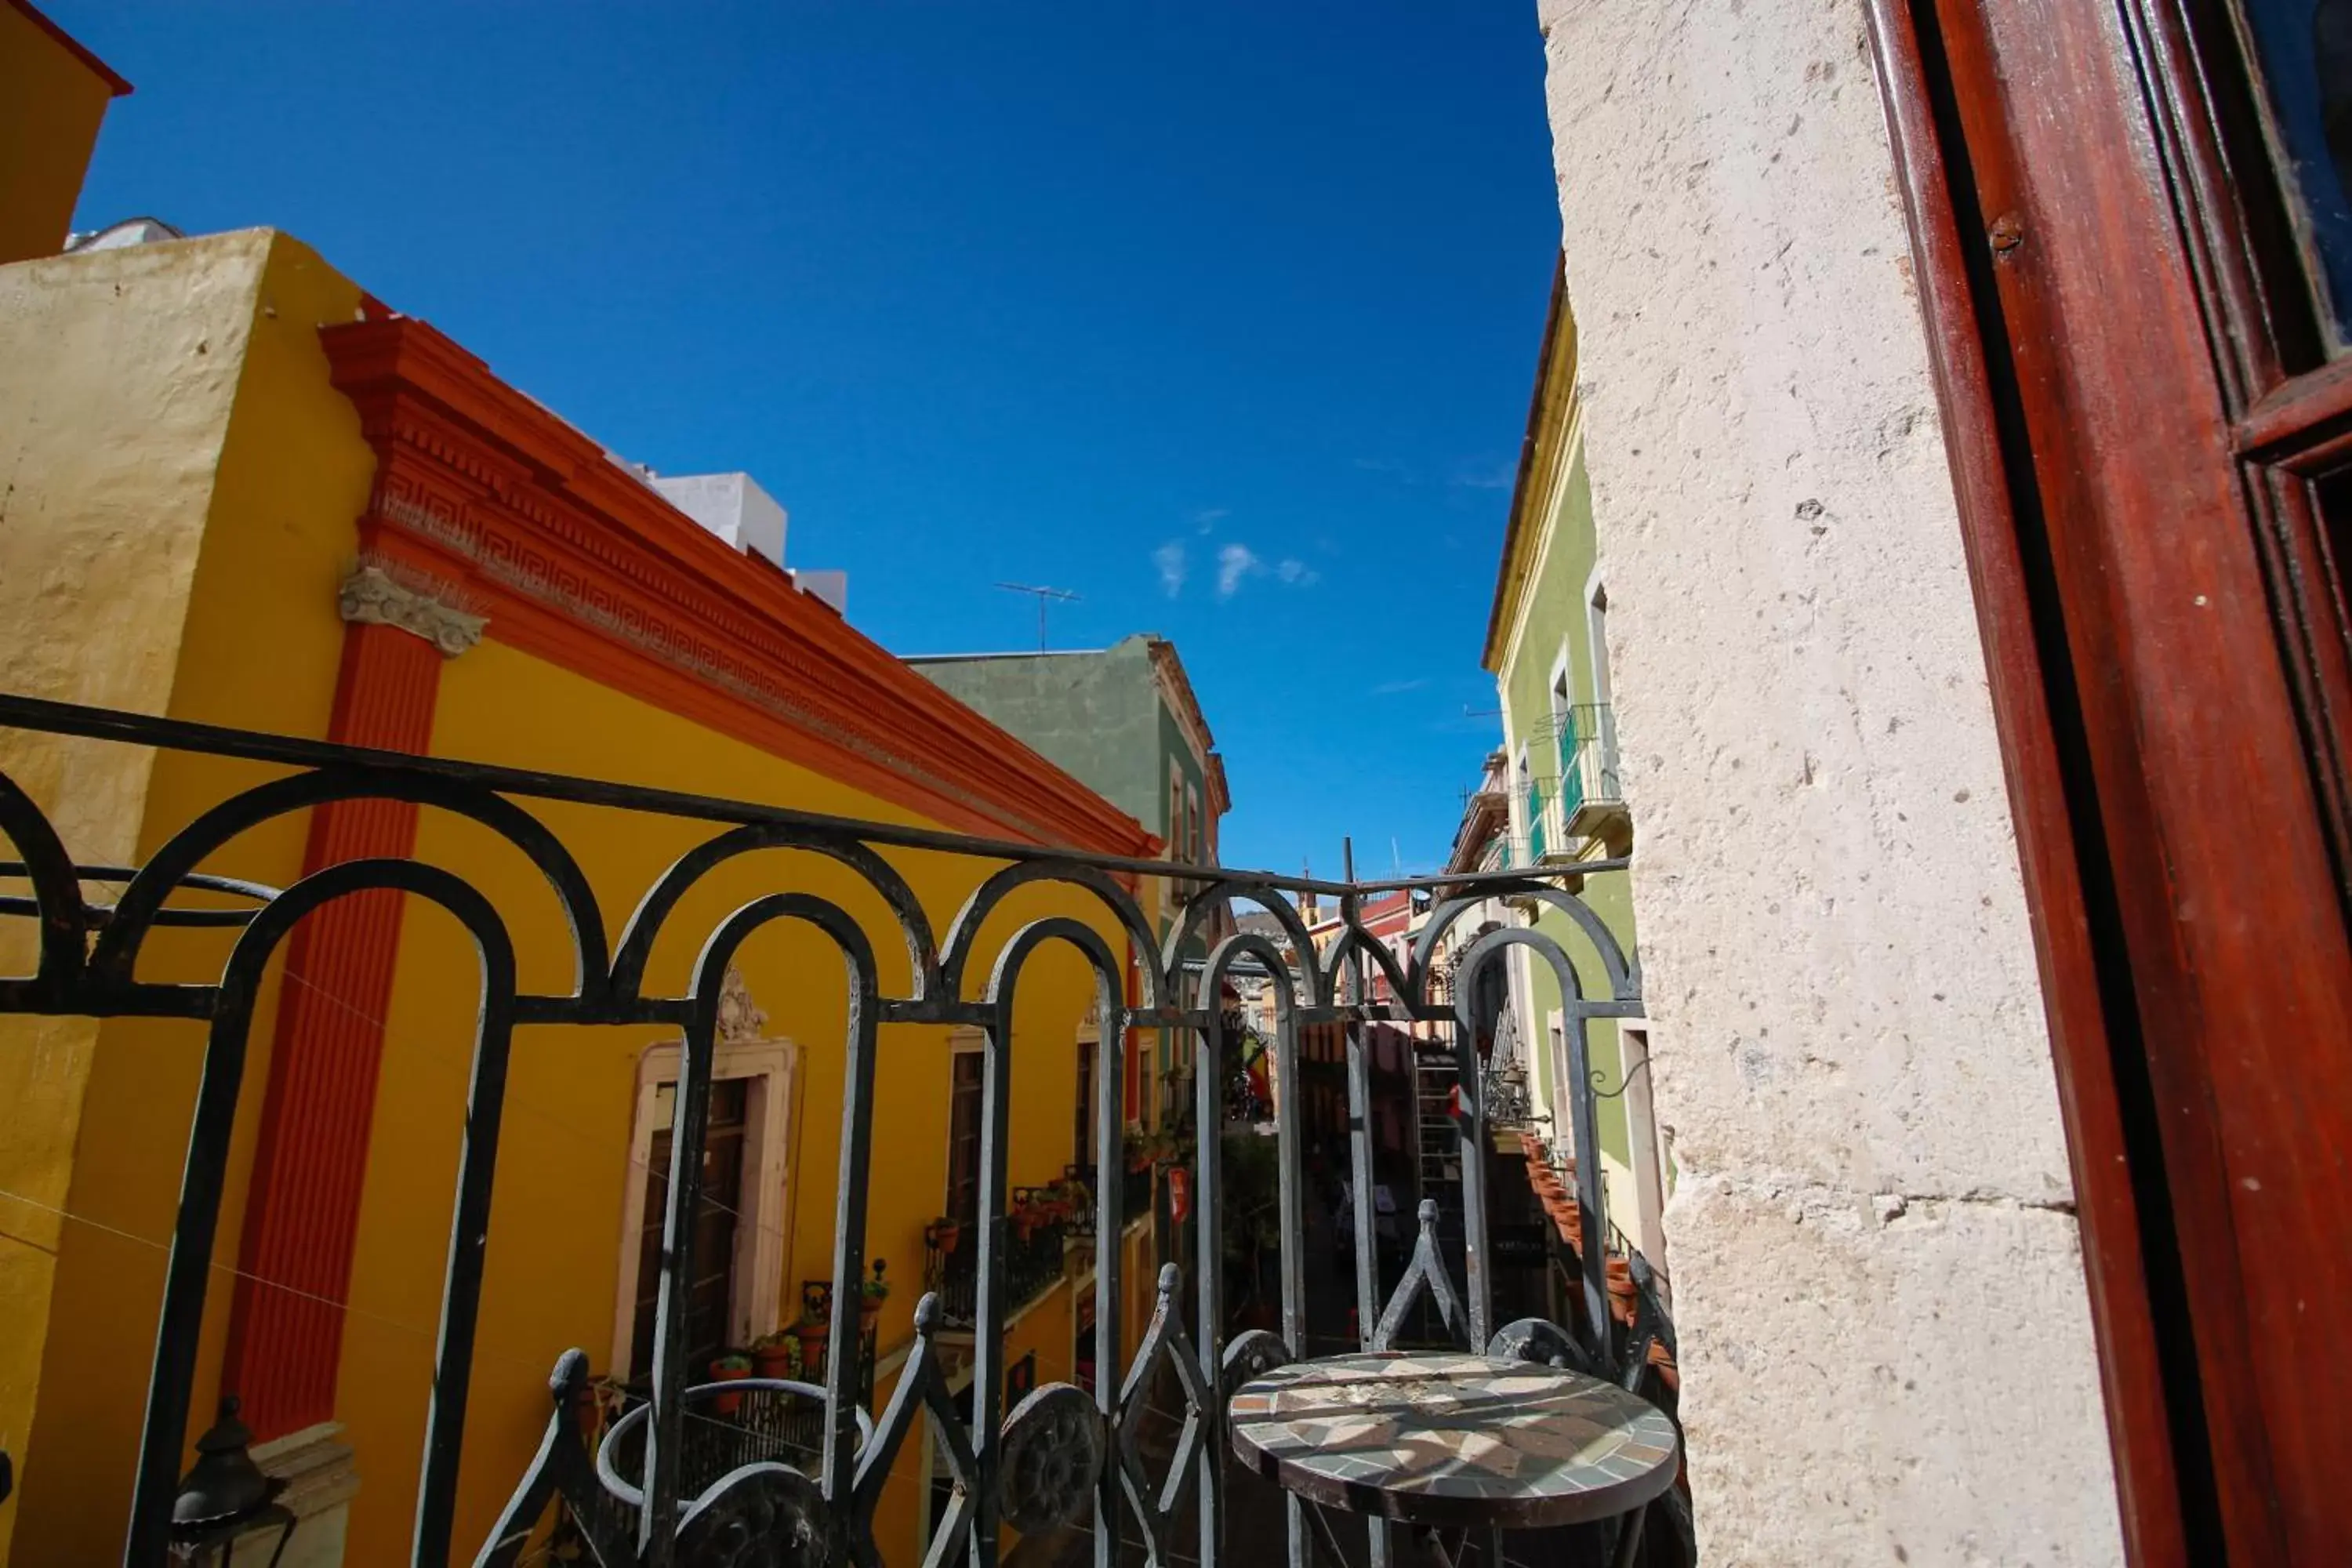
x,y
371,596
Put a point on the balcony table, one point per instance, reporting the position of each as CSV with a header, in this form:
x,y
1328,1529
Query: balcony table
x,y
1446,1441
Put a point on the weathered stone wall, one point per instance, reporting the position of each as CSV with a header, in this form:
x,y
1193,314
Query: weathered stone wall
x,y
1885,1335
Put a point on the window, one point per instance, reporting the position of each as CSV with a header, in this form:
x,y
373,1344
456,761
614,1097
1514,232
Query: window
x,y
2301,62
739,1233
1083,1137
1561,705
963,1137
709,1300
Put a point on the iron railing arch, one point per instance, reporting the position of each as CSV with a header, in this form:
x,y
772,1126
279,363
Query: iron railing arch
x,y
87,957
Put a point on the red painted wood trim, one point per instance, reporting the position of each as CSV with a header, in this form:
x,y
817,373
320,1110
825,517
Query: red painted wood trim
x,y
2228,945
2137,1426
309,1167
576,561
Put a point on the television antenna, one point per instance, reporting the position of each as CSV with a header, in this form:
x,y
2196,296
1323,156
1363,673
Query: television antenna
x,y
1046,598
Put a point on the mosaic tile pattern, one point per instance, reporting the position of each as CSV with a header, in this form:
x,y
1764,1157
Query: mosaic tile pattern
x,y
1446,1439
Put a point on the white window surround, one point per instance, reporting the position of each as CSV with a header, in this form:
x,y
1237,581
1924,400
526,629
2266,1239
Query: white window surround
x,y
1563,1120
1559,689
1645,1143
763,1207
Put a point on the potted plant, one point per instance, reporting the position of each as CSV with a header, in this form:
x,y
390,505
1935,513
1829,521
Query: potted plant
x,y
815,1331
1625,1296
777,1354
871,1294
728,1368
944,1233
1077,1203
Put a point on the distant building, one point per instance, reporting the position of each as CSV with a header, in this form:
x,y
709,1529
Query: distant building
x,y
1124,721
1548,655
244,492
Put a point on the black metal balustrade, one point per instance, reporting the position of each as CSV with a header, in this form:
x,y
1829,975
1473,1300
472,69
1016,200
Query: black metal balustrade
x,y
1034,1256
664,1490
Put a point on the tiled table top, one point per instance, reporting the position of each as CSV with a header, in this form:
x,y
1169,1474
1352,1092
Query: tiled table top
x,y
1454,1440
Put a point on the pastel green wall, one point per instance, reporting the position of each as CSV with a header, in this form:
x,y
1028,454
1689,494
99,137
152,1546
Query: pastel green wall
x,y
1101,717
1097,715
1557,616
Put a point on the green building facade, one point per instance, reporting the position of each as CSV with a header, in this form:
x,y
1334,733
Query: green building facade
x,y
1547,648
1124,721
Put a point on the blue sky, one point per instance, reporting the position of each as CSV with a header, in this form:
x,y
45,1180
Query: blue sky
x,y
1223,316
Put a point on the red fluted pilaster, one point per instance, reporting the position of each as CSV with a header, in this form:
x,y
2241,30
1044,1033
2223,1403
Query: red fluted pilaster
x,y
302,1216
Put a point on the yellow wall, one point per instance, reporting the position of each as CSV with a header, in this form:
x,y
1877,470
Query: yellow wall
x,y
50,105
186,560
119,371
565,1165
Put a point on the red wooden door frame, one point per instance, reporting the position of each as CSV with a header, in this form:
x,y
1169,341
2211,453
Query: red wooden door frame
x,y
2098,338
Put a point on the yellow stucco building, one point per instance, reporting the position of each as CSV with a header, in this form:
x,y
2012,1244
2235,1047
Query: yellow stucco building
x,y
242,492
53,94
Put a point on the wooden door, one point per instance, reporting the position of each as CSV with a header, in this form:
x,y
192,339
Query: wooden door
x,y
964,1140
2130,291
711,1295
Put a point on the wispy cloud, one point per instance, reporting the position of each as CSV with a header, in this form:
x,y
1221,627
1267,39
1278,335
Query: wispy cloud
x,y
1169,559
1497,475
1234,562
1237,563
1399,688
1205,521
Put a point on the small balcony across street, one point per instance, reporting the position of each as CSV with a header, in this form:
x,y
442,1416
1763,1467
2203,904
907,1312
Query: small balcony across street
x,y
1583,801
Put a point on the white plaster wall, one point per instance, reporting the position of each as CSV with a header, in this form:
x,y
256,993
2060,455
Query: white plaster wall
x,y
1886,1336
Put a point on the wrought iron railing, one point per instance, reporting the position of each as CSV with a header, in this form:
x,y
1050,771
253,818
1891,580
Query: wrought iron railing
x,y
1034,1255
821,1498
1587,742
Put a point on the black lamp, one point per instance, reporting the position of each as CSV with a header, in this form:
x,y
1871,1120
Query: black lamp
x,y
225,1493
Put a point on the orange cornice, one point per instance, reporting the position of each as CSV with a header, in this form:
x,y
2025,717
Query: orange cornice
x,y
577,561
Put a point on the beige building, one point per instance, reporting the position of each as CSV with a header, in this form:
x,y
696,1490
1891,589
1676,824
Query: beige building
x,y
1960,397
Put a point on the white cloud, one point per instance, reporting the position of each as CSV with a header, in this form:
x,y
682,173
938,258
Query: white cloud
x,y
1205,521
1169,559
1499,474
1399,688
1235,562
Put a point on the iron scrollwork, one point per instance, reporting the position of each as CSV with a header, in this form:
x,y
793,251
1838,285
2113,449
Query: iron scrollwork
x,y
1063,1454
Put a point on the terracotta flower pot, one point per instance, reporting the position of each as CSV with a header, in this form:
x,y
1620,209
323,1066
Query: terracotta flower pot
x,y
776,1361
727,1403
870,1312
